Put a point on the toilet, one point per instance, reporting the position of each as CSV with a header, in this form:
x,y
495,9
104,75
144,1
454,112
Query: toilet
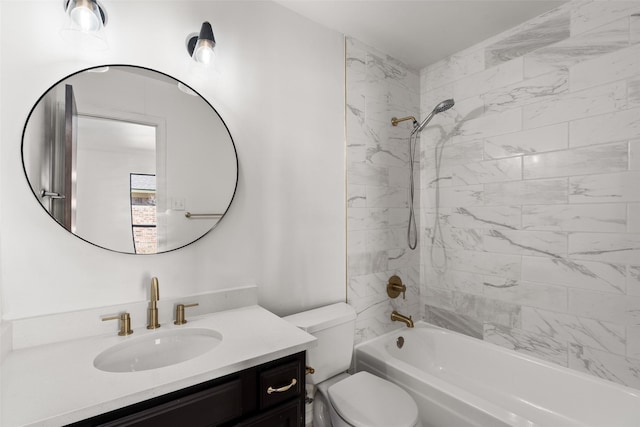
x,y
343,400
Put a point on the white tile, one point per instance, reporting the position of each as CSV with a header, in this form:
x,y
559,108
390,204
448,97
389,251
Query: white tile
x,y
367,174
506,265
589,275
526,92
620,309
617,126
601,40
607,188
367,218
577,161
451,69
527,293
536,192
633,342
548,138
623,248
586,16
498,217
491,78
386,197
486,309
536,345
633,280
454,154
537,36
578,330
356,242
576,105
489,125
634,155
386,239
633,218
634,92
455,280
585,217
501,170
605,365
455,238
634,28
451,197
533,243
618,65
356,196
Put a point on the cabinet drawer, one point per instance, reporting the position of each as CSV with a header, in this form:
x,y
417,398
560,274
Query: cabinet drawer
x,y
280,383
206,408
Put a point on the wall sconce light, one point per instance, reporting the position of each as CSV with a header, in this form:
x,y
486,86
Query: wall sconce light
x,y
200,47
87,16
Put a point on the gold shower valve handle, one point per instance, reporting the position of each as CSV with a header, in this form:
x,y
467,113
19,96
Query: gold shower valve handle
x,y
395,287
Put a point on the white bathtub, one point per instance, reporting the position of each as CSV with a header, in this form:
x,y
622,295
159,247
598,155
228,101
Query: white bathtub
x,y
459,381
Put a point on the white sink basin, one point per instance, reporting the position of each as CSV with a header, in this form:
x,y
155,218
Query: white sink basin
x,y
157,350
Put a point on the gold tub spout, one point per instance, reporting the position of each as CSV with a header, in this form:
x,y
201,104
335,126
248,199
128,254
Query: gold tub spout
x,y
395,316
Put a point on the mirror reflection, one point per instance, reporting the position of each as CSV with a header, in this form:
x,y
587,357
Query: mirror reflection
x,y
129,159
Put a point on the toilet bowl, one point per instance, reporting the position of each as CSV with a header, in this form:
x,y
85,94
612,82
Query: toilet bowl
x,y
343,400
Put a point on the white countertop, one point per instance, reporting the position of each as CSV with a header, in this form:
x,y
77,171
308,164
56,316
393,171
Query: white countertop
x,y
57,384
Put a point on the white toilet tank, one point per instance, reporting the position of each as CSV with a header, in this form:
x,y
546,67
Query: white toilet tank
x,y
334,327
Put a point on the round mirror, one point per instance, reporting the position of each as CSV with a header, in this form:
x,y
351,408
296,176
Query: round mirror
x,y
129,159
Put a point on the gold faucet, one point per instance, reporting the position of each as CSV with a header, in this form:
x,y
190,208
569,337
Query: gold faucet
x,y
152,312
395,316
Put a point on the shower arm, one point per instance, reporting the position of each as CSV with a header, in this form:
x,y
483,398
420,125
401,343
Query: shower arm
x,y
395,120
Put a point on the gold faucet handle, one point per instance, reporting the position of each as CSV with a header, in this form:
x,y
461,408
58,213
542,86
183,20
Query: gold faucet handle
x,y
180,320
395,286
125,323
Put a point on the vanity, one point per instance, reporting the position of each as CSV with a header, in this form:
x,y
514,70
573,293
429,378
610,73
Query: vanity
x,y
253,376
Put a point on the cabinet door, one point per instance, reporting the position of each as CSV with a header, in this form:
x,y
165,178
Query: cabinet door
x,y
288,415
206,408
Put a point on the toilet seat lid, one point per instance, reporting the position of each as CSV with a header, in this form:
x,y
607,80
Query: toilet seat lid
x,y
364,400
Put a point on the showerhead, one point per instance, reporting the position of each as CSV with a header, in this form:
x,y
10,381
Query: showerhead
x,y
443,106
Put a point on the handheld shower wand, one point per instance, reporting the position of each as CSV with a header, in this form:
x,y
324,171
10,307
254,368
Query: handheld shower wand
x,y
412,232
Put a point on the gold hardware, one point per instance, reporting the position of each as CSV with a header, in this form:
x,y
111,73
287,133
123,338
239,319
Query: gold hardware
x,y
202,215
125,323
152,312
395,286
180,320
395,120
395,316
282,389
309,370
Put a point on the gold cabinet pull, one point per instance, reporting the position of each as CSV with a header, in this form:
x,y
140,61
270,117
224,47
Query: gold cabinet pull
x,y
309,370
282,389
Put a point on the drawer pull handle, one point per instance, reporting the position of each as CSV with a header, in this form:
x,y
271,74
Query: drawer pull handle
x,y
282,389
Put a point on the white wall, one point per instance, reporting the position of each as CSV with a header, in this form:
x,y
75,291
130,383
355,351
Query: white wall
x,y
278,84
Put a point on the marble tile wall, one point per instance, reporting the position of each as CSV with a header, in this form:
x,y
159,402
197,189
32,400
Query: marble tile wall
x,y
535,242
377,89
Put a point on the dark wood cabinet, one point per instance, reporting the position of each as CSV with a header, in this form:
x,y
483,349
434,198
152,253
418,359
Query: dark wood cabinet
x,y
271,394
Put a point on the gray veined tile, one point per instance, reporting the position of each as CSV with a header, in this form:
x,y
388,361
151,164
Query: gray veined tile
x,y
527,92
367,174
546,33
547,138
386,197
616,187
487,310
601,40
536,345
500,170
633,218
581,217
609,247
535,192
587,16
495,217
356,242
534,243
576,105
476,84
506,265
356,196
634,92
617,126
378,240
578,330
633,342
367,262
633,280
634,28
488,125
367,218
605,365
620,309
451,69
618,65
588,275
526,293
456,238
454,321
453,154
462,281
461,196
577,161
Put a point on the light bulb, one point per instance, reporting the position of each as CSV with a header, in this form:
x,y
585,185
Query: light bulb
x,y
85,15
203,52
